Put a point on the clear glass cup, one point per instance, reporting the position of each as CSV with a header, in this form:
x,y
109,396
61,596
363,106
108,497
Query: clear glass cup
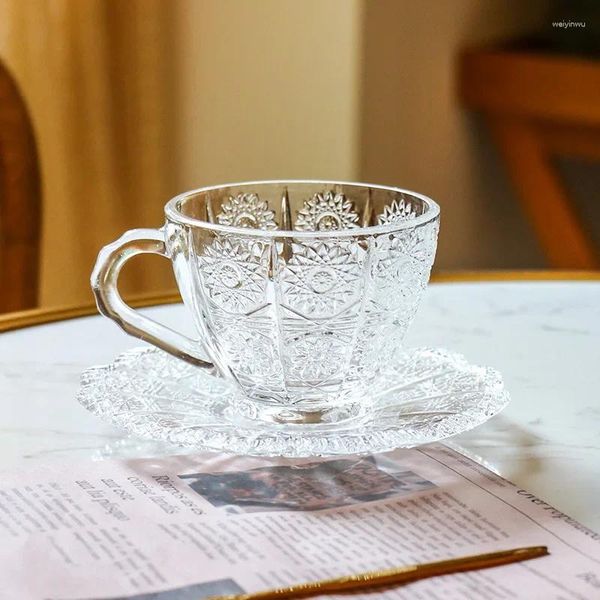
x,y
301,291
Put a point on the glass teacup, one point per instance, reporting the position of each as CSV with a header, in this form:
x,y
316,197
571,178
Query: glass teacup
x,y
301,291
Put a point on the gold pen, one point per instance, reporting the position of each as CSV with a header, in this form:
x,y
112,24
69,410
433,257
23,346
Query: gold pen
x,y
397,576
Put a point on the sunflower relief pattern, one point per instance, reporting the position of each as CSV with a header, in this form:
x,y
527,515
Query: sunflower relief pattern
x,y
235,272
326,212
322,277
318,319
247,210
398,210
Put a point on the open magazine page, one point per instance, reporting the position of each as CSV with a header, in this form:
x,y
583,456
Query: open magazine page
x,y
189,527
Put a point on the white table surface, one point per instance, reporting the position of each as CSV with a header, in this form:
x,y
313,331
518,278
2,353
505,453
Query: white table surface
x,y
543,336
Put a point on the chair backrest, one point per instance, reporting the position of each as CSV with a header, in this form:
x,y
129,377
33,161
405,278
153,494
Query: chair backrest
x,y
20,201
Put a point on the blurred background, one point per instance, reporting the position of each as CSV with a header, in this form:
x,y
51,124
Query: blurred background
x,y
491,107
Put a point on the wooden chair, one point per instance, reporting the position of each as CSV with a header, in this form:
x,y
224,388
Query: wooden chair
x,y
20,201
538,106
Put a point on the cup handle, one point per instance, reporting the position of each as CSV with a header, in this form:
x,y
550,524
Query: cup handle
x,y
104,282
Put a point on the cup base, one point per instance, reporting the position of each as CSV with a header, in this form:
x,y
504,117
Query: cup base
x,y
289,415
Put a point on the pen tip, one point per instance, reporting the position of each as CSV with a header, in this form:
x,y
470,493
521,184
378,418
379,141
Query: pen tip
x,y
534,550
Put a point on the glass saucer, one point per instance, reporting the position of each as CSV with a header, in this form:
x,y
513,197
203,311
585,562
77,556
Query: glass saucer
x,y
426,396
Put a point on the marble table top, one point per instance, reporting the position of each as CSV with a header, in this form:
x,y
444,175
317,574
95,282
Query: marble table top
x,y
543,336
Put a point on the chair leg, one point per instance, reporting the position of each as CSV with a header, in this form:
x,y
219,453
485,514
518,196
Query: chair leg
x,y
559,229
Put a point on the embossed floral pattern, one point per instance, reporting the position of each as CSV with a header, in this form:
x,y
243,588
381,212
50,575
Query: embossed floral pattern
x,y
334,303
235,272
322,277
315,357
253,352
400,268
308,321
398,210
247,210
326,212
418,243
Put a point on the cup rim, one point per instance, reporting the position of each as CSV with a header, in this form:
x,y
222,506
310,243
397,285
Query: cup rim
x,y
173,213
